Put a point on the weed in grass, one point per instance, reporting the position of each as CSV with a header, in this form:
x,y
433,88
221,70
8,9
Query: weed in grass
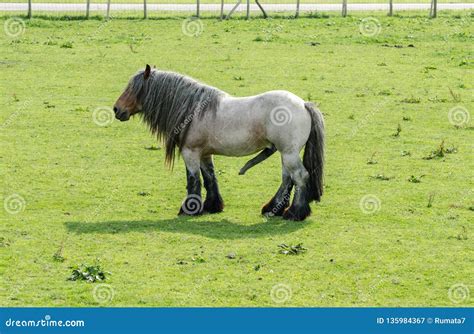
x,y
292,249
397,133
88,273
430,200
381,177
4,242
351,116
371,160
48,105
415,179
412,100
462,235
143,193
406,118
58,255
198,259
405,153
440,152
231,256
456,97
429,68
67,45
385,92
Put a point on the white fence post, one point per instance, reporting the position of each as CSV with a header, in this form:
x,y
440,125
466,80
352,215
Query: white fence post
x,y
30,13
108,9
434,8
344,8
88,5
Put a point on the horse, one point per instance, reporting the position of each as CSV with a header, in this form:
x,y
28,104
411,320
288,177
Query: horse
x,y
202,121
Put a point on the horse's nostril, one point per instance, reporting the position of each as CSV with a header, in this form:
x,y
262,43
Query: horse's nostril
x,y
115,109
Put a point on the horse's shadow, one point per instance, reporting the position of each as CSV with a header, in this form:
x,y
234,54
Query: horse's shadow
x,y
221,229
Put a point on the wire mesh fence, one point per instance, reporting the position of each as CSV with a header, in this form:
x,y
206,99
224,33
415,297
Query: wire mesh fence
x,y
223,9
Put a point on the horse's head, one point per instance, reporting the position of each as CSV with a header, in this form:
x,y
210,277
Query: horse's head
x,y
129,103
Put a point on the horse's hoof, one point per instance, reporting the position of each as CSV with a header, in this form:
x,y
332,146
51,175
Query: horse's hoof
x,y
271,210
213,206
297,214
189,213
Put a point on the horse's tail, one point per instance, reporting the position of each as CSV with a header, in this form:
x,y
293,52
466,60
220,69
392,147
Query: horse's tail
x,y
313,158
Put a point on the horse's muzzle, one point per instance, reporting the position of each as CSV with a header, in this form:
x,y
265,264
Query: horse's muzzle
x,y
121,115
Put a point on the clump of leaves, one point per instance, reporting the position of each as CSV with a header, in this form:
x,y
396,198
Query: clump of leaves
x,y
406,118
4,242
198,259
411,100
415,179
84,272
381,177
405,153
238,78
231,256
397,133
58,255
351,116
143,193
461,235
67,45
292,249
371,160
440,152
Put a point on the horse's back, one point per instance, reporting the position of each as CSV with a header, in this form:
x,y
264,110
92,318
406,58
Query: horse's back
x,y
245,125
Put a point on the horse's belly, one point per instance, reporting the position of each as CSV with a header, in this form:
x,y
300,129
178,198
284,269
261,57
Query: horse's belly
x,y
236,143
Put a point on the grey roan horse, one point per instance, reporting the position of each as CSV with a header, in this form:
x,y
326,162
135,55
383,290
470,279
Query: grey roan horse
x,y
202,121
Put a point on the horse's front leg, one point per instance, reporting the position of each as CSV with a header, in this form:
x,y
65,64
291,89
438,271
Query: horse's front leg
x,y
192,205
213,202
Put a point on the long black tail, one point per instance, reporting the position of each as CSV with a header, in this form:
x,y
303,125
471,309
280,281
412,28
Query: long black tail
x,y
313,158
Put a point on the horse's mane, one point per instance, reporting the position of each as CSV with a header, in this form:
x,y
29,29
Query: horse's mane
x,y
170,102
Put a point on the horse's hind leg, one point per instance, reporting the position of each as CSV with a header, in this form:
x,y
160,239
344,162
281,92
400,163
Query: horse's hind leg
x,y
192,205
277,205
300,208
213,202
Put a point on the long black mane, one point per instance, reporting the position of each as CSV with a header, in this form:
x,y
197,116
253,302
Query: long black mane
x,y
170,103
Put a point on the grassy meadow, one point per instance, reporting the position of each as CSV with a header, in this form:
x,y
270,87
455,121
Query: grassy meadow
x,y
395,226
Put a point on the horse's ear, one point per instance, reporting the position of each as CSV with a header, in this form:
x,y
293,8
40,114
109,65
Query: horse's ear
x,y
146,74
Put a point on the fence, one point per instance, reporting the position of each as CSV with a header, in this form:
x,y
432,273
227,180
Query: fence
x,y
225,8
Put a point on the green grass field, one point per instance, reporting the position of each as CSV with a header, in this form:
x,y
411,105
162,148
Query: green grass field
x,y
100,192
